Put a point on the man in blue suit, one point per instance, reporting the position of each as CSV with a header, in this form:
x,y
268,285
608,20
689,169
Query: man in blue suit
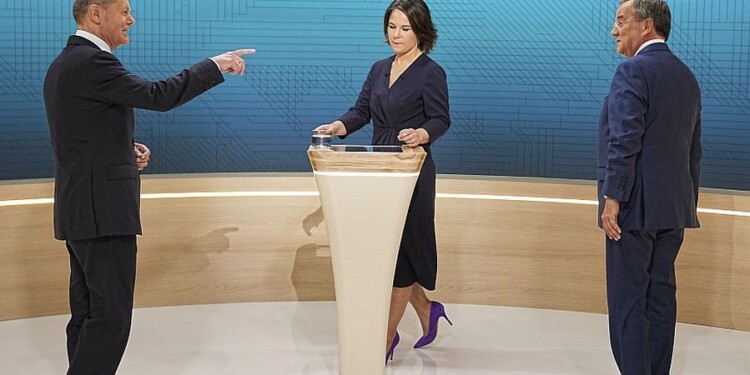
x,y
648,172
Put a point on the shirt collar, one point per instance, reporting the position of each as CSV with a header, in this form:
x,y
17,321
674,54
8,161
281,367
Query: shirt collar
x,y
648,43
94,39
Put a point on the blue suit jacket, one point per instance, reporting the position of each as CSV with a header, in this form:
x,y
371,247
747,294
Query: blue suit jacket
x,y
649,142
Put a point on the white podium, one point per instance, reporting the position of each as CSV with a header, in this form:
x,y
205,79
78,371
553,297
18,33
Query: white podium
x,y
365,193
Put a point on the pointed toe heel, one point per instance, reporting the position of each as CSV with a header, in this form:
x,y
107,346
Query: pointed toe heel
x,y
437,311
389,354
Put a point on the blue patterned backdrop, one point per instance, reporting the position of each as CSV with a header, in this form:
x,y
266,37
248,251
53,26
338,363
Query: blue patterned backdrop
x,y
526,81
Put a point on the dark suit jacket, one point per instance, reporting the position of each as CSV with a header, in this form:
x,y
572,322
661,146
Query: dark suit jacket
x,y
90,98
649,142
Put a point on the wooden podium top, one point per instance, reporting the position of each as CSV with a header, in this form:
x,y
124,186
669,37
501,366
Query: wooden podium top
x,y
369,159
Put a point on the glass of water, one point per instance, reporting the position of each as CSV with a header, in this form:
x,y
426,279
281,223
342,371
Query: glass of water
x,y
321,139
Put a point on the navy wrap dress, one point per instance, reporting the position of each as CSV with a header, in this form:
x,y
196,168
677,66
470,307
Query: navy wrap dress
x,y
417,99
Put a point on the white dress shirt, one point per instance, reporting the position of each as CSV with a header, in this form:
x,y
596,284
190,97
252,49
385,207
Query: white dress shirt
x,y
94,39
648,43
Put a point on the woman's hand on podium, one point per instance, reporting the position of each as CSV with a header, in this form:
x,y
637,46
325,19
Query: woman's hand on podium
x,y
335,128
414,137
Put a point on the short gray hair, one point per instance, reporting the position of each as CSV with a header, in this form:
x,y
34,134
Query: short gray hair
x,y
80,7
657,10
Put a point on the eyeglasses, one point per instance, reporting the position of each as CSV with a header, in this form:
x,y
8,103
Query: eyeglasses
x,y
619,24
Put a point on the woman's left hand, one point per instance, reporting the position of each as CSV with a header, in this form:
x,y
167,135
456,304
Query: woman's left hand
x,y
414,137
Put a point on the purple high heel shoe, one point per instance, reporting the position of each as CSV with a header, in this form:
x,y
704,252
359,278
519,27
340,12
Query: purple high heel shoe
x,y
392,348
437,311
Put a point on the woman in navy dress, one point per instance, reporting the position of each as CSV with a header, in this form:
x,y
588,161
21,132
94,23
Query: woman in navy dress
x,y
406,98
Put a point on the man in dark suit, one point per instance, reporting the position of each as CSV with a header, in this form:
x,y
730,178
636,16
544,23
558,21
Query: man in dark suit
x,y
89,97
648,172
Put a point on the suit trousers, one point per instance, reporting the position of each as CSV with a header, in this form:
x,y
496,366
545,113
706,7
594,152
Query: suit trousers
x,y
102,283
641,299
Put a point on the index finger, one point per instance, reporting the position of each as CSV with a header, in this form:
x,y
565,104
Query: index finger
x,y
241,52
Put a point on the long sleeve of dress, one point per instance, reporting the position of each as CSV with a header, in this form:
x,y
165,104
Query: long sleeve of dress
x,y
359,115
436,107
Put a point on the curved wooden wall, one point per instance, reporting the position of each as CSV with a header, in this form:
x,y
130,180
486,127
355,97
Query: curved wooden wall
x,y
274,248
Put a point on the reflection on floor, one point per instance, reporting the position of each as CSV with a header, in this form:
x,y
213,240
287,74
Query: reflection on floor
x,y
300,338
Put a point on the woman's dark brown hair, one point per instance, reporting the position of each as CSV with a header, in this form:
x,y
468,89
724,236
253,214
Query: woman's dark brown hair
x,y
420,20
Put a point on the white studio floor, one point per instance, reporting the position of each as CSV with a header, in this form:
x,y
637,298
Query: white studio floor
x,y
300,338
